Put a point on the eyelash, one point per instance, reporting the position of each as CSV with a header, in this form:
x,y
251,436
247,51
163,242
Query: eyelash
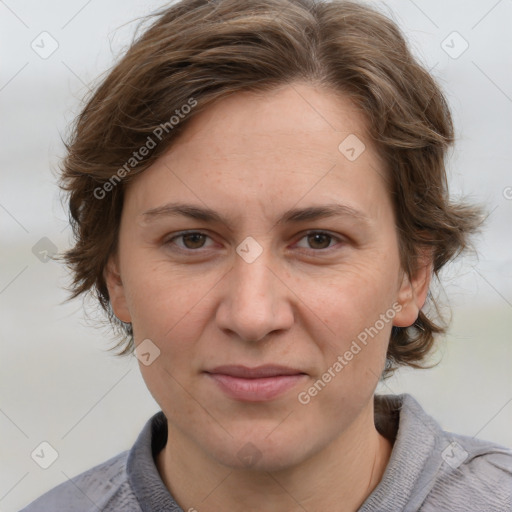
x,y
312,232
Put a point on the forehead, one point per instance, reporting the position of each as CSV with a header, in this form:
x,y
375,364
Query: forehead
x,y
281,146
293,111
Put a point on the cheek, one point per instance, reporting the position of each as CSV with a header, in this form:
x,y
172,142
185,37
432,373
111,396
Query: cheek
x,y
168,308
162,299
358,311
351,298
355,306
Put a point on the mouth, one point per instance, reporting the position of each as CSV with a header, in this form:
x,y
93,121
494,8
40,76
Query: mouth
x,y
257,384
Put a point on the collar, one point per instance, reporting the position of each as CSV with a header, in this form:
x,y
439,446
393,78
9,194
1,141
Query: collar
x,y
408,478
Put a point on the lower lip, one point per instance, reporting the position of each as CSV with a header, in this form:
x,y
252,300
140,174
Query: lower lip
x,y
256,390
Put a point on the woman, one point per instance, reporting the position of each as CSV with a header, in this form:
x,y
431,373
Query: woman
x,y
259,200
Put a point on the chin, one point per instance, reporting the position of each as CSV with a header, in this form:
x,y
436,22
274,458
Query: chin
x,y
260,455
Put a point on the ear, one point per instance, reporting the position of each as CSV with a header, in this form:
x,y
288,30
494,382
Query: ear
x,y
413,291
116,290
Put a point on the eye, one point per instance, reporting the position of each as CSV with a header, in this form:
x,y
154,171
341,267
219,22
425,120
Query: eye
x,y
192,240
320,240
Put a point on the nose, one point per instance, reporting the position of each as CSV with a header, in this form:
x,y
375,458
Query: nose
x,y
256,301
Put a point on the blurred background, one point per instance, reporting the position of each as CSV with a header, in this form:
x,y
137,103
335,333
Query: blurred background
x,y
58,382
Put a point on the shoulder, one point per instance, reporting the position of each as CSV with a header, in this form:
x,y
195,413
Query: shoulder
x,y
100,488
474,475
434,470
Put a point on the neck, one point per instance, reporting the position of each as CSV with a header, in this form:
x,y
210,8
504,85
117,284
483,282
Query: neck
x,y
340,477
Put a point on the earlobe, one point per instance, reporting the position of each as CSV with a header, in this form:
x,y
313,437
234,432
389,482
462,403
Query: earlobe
x,y
116,290
412,293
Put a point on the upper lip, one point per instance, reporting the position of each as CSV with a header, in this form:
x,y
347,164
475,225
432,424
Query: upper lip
x,y
245,372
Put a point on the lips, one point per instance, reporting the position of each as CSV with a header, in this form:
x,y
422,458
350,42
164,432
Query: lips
x,y
257,384
257,372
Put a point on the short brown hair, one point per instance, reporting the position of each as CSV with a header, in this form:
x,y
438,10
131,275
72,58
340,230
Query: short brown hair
x,y
202,50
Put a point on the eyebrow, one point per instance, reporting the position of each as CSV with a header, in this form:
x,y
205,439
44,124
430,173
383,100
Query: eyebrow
x,y
294,215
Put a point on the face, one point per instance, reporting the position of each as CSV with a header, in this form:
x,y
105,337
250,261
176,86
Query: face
x,y
266,279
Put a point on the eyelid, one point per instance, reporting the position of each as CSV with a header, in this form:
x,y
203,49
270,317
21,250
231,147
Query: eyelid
x,y
322,232
180,234
334,237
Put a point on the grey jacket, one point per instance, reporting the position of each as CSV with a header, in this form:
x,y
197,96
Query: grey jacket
x,y
430,470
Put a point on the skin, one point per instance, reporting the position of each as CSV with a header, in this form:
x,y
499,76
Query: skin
x,y
301,303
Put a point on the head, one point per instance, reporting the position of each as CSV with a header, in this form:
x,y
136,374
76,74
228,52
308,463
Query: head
x,y
251,110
